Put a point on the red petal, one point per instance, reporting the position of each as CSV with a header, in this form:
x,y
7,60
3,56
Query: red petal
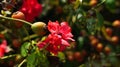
x,y
64,42
66,31
65,28
2,51
53,27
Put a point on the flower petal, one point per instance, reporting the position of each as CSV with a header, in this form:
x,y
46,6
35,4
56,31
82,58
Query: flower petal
x,y
65,28
53,27
2,51
66,31
64,42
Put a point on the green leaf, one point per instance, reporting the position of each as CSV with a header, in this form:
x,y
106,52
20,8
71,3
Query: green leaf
x,y
91,25
61,56
24,49
43,38
110,4
76,4
37,59
100,20
31,60
42,60
112,58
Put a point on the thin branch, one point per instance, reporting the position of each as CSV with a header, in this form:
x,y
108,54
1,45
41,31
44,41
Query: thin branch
x,y
30,37
5,57
22,63
8,18
8,30
98,5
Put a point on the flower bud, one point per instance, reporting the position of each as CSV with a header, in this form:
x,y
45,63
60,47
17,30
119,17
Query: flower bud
x,y
39,28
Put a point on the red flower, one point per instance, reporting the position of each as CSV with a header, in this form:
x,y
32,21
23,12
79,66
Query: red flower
x,y
2,51
3,47
63,29
31,9
58,39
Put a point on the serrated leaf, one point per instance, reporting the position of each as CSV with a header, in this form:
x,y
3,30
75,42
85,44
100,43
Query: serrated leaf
x,y
100,20
24,48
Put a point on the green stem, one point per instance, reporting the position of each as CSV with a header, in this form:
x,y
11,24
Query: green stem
x,y
30,37
8,18
5,57
98,4
4,31
7,29
101,3
22,63
27,33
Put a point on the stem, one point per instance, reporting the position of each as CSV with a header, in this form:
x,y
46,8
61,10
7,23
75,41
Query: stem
x,y
101,3
98,4
22,63
7,29
4,31
8,18
30,37
27,33
5,57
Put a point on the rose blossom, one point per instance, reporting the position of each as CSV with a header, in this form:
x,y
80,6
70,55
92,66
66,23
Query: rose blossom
x,y
59,37
31,9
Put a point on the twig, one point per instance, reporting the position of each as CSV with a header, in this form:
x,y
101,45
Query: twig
x,y
98,5
22,63
5,57
27,33
8,30
8,18
4,31
30,37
